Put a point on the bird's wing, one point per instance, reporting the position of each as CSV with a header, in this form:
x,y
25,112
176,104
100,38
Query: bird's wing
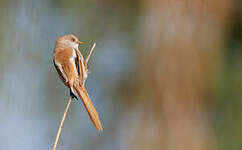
x,y
60,71
66,66
81,66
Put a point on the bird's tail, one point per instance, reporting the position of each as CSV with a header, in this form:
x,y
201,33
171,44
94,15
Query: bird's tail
x,y
82,93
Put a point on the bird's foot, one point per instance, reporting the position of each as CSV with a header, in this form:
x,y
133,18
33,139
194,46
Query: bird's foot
x,y
73,95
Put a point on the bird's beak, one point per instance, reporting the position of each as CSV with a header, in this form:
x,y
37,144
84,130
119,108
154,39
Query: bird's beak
x,y
79,42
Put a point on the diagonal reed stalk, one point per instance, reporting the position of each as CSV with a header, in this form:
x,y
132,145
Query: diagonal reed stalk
x,y
90,53
61,123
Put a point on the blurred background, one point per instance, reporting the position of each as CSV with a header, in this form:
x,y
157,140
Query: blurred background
x,y
165,74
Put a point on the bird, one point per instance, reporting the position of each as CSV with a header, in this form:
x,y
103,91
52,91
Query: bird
x,y
72,70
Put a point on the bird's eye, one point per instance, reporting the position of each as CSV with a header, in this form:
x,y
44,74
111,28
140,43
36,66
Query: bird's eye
x,y
72,39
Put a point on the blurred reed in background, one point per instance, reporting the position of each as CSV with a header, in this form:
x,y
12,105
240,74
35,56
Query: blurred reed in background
x,y
165,74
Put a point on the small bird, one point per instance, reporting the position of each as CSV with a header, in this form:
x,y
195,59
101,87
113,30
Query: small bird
x,y
72,70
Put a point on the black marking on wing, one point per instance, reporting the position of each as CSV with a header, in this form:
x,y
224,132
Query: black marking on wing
x,y
78,63
77,60
58,71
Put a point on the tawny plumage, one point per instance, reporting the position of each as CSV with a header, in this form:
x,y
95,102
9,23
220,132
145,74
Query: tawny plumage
x,y
72,69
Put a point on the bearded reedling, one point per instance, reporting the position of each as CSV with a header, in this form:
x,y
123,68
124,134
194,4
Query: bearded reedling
x,y
72,70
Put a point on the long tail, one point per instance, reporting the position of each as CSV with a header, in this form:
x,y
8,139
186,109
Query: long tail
x,y
81,91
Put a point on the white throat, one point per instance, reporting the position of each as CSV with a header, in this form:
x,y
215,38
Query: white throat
x,y
72,44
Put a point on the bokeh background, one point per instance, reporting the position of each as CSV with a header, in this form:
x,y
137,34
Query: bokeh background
x,y
166,74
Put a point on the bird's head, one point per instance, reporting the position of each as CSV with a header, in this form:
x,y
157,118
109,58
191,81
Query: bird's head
x,y
69,41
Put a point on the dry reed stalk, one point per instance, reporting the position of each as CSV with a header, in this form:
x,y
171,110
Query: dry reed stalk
x,y
61,123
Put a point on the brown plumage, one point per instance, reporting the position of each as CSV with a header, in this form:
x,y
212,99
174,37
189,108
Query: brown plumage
x,y
72,69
